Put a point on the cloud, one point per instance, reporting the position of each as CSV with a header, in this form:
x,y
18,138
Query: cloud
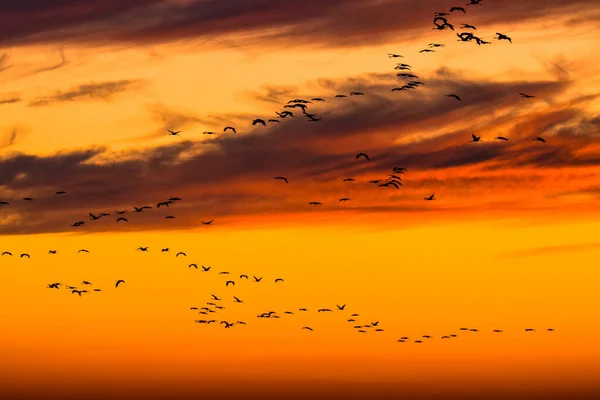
x,y
550,250
12,136
231,175
95,91
62,63
326,23
10,100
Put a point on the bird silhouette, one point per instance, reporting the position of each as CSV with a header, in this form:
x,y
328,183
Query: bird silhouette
x,y
430,197
340,307
117,283
60,192
475,138
207,222
526,96
308,328
501,138
455,96
230,128
259,121
539,139
278,280
181,253
281,178
236,300
227,283
366,156
173,133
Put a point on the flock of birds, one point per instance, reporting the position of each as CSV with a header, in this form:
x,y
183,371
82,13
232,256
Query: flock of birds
x,y
394,179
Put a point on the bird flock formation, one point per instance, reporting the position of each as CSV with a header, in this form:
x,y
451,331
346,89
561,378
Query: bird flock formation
x,y
393,180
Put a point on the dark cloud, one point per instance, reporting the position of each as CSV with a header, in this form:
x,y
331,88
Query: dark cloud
x,y
104,90
329,23
10,100
232,175
12,136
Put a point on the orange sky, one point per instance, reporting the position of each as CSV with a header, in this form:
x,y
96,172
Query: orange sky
x,y
88,94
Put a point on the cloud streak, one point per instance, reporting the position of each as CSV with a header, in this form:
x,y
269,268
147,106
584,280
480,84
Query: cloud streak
x,y
90,91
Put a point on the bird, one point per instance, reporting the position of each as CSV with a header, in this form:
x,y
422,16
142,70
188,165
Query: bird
x,y
27,199
83,251
206,222
339,96
6,253
94,217
257,279
501,138
526,96
278,280
53,285
357,94
209,133
173,133
181,253
25,255
122,219
227,283
344,199
502,36
458,9
467,26
529,330
317,99
163,203
236,300
4,203
175,199
475,138
193,265
51,251
539,139
392,55
281,178
430,197
427,51
205,269
142,248
215,297
474,2
366,156
231,128
315,203
140,209
60,192
117,283
259,121
455,96
307,328
340,307
348,180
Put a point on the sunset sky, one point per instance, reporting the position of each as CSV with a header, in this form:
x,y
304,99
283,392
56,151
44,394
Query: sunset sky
x,y
88,93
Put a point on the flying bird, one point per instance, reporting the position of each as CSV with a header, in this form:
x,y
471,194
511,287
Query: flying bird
x,y
173,133
526,96
236,300
467,26
282,178
341,307
227,283
259,121
475,138
60,192
501,138
458,9
119,282
206,222
502,36
278,280
455,96
181,253
539,139
315,203
366,156
430,197
231,128
25,255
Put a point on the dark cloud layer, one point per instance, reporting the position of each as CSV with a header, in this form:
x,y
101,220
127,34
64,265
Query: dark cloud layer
x,y
232,175
329,23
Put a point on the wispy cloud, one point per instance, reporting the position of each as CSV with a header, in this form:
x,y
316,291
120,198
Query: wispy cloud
x,y
549,250
90,91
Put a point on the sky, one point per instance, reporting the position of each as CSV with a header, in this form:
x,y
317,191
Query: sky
x,y
89,93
